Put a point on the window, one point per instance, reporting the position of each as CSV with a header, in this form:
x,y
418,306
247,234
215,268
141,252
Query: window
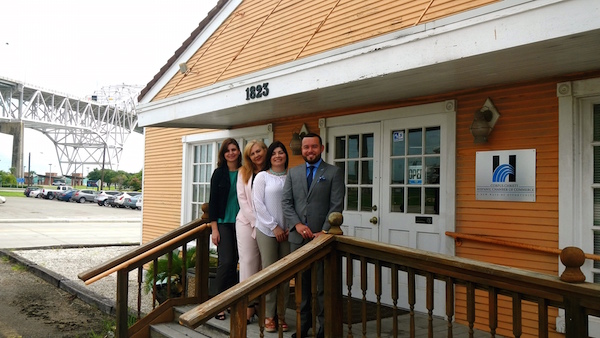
x,y
595,226
415,170
202,168
200,160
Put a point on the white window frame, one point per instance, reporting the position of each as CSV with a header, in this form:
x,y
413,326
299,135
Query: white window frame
x,y
575,101
189,141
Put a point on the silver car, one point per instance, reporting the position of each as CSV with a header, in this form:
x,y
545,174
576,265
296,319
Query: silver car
x,y
104,197
84,195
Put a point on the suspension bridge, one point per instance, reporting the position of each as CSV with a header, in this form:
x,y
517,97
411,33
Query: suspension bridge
x,y
85,131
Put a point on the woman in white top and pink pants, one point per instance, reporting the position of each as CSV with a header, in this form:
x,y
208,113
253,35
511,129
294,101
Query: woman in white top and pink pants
x,y
254,159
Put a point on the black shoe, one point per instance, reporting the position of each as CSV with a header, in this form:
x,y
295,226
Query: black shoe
x,y
302,334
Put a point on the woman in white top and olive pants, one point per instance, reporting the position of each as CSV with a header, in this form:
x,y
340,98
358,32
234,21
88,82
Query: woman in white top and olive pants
x,y
272,232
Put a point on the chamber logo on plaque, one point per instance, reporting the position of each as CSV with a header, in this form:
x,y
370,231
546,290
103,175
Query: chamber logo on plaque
x,y
507,175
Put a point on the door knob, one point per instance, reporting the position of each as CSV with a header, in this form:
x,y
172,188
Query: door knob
x,y
373,220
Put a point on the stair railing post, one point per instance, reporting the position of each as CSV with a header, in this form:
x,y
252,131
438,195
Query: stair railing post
x,y
122,307
332,287
202,260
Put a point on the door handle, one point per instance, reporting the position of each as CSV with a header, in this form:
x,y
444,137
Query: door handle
x,y
373,220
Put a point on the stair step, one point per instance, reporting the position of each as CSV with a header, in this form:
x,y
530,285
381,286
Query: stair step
x,y
179,310
174,330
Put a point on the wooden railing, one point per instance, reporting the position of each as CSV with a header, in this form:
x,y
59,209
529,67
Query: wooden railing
x,y
577,300
412,278
196,232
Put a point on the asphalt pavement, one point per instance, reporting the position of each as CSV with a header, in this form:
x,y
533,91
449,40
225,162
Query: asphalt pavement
x,y
37,223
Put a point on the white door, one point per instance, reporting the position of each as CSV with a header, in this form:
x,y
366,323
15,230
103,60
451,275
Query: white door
x,y
398,188
354,150
414,183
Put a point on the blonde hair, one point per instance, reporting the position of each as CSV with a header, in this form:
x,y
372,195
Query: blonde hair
x,y
248,167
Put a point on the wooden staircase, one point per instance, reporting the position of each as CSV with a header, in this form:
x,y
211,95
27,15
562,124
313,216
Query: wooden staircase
x,y
175,330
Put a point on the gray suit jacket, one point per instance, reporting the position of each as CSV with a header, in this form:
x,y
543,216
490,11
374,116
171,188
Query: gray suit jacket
x,y
312,206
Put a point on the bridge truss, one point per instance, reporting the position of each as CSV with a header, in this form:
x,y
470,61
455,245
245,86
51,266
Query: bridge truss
x,y
89,131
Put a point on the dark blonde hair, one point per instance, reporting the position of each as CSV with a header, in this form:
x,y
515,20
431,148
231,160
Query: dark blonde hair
x,y
222,161
248,166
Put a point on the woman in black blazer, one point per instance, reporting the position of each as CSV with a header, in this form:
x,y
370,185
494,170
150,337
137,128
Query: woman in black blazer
x,y
222,211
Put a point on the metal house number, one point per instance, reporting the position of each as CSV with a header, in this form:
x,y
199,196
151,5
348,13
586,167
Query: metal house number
x,y
258,91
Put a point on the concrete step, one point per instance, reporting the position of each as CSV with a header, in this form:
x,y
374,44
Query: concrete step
x,y
174,330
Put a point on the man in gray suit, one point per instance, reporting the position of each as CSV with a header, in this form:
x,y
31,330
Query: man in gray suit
x,y
311,192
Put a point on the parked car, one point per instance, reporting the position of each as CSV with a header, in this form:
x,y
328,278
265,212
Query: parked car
x,y
36,193
2,200
104,197
51,193
29,189
138,204
119,200
66,195
131,202
84,195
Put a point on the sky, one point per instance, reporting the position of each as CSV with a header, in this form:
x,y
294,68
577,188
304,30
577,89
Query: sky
x,y
79,46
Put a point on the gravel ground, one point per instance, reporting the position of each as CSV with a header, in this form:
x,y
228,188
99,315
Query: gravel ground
x,y
71,262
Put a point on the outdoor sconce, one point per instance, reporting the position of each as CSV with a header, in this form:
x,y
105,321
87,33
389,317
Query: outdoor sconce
x,y
296,142
484,121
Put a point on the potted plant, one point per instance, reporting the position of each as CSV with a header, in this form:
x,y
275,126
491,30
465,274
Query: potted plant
x,y
163,274
213,261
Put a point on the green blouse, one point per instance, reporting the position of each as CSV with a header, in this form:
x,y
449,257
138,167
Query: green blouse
x,y
232,208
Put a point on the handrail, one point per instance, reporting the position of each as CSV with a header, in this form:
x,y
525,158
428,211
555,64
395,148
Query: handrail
x,y
479,238
261,282
141,258
140,253
528,282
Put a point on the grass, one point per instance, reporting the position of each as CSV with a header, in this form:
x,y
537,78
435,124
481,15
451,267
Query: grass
x,y
19,267
12,193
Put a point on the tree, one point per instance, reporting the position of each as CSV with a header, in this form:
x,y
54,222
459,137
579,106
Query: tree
x,y
135,183
109,176
7,179
94,175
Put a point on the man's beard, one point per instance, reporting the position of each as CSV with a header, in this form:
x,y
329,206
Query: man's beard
x,y
317,158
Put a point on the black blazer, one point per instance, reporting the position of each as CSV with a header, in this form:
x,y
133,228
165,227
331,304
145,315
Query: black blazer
x,y
219,190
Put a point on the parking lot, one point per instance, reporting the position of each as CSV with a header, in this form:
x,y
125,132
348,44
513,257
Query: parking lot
x,y
38,208
32,222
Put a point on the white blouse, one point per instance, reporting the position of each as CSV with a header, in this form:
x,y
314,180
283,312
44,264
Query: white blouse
x,y
267,192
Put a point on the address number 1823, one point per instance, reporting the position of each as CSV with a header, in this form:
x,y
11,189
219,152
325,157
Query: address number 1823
x,y
258,91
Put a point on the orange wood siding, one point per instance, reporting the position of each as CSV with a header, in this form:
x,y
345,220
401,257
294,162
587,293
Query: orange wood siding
x,y
162,181
529,120
262,34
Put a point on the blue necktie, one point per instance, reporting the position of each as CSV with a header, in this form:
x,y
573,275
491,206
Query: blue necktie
x,y
309,178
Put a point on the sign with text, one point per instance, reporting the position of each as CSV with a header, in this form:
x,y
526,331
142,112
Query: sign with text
x,y
506,175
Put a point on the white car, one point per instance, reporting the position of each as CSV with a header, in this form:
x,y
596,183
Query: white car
x,y
120,199
37,193
2,200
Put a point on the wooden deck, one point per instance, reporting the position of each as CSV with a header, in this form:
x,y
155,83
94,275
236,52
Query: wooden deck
x,y
217,328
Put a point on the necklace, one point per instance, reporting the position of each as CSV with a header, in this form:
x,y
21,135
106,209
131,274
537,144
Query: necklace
x,y
277,173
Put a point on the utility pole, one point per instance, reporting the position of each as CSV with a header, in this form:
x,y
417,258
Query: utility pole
x,y
29,170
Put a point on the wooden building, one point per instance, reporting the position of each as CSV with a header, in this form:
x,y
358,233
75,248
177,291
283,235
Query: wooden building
x,y
398,89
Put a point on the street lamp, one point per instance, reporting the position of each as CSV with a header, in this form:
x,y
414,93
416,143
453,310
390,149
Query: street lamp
x,y
50,180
